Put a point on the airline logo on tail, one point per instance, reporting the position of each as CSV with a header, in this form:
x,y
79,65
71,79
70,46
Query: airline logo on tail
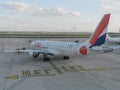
x,y
99,36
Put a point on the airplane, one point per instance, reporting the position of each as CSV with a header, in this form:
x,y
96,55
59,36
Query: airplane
x,y
94,45
114,40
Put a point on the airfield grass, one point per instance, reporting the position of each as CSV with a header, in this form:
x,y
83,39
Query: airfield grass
x,y
71,34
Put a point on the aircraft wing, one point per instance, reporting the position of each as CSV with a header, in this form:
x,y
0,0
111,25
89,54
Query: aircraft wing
x,y
40,51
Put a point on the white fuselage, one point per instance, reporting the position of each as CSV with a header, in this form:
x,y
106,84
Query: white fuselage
x,y
62,48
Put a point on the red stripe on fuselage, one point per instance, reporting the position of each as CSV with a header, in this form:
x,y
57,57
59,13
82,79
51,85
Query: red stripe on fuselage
x,y
103,24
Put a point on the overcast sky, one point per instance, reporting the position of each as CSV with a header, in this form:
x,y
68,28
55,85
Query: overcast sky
x,y
57,15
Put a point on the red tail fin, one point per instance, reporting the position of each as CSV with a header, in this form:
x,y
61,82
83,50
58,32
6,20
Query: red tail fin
x,y
98,37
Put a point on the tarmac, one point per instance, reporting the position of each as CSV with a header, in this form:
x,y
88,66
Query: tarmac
x,y
22,72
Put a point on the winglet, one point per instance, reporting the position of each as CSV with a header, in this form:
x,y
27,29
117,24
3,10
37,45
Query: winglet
x,y
99,36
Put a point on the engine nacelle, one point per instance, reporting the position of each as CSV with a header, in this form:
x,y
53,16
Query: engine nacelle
x,y
34,54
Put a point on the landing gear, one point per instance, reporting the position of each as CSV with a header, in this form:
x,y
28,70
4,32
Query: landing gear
x,y
65,57
35,55
45,58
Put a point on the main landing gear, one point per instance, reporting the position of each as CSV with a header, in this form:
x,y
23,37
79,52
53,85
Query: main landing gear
x,y
45,58
65,57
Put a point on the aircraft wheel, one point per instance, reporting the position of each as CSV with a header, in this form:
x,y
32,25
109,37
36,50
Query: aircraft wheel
x,y
65,57
35,55
46,59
